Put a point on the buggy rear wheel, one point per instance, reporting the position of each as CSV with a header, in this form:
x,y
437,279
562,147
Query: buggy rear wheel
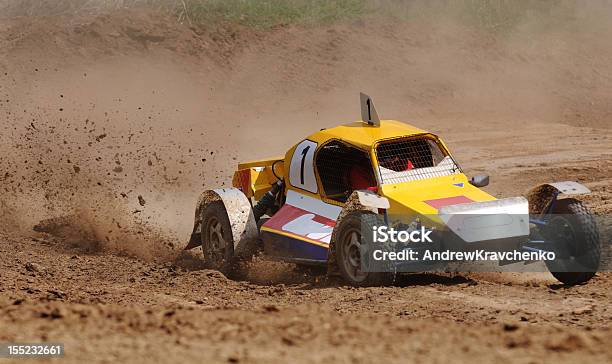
x,y
217,241
576,239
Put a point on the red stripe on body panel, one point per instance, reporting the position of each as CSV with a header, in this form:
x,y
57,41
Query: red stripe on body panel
x,y
289,213
447,201
302,223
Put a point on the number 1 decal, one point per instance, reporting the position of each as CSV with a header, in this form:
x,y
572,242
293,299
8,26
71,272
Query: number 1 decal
x,y
368,111
304,152
301,170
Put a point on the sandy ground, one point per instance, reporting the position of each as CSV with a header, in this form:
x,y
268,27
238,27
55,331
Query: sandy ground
x,y
119,121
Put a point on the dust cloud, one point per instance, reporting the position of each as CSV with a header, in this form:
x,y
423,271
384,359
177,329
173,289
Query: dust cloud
x,y
115,122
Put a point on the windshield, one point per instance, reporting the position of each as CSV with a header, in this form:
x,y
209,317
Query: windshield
x,y
413,159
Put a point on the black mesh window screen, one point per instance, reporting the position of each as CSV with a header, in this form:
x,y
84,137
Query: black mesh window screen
x,y
343,169
411,160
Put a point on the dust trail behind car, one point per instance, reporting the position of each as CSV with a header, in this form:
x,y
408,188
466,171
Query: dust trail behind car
x,y
119,120
146,99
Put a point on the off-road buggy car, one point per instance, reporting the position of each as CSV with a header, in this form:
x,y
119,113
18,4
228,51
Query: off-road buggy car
x,y
306,207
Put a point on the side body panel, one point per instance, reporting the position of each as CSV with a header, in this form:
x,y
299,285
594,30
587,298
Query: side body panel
x,y
301,230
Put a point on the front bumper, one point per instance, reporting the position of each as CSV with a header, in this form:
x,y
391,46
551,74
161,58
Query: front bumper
x,y
501,220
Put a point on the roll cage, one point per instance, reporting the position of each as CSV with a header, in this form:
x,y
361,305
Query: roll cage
x,y
333,160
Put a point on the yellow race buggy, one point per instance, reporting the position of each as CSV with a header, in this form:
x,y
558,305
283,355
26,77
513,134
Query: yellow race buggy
x,y
306,207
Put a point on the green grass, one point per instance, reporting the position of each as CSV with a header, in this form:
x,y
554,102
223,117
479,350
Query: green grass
x,y
270,13
255,13
489,15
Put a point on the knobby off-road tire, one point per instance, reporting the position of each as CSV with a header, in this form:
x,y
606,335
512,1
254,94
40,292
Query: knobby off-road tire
x,y
348,245
577,246
217,241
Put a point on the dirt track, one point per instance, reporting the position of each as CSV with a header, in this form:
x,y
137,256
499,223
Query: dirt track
x,y
99,111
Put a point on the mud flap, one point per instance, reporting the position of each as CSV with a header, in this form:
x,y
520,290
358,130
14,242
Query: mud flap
x,y
240,214
540,196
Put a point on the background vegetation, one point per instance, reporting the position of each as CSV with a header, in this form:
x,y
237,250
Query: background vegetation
x,y
492,15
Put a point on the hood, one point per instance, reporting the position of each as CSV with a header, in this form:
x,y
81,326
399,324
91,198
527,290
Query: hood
x,y
426,197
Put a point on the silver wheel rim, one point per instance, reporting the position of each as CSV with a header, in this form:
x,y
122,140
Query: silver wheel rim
x,y
352,255
216,242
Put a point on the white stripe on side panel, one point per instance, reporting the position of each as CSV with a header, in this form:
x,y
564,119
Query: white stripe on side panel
x,y
313,205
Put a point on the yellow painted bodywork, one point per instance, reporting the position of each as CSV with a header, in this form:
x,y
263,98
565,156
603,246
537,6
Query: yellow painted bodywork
x,y
407,199
259,163
363,135
255,178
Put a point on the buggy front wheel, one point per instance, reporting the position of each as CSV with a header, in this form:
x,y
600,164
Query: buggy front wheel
x,y
574,232
348,248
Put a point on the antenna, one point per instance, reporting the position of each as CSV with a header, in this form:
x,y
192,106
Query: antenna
x,y
368,112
